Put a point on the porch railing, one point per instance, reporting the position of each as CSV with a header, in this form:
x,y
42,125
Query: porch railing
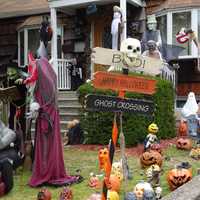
x,y
64,77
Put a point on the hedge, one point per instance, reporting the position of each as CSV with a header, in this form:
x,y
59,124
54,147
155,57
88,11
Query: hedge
x,y
97,126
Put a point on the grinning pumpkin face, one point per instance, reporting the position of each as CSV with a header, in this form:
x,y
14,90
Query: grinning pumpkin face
x,y
103,158
150,157
153,128
178,177
44,194
66,194
182,129
156,147
184,143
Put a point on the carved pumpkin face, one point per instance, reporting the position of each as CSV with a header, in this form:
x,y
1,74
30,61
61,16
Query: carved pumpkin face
x,y
94,182
178,177
150,157
112,195
182,129
153,128
184,143
44,194
66,194
103,158
156,147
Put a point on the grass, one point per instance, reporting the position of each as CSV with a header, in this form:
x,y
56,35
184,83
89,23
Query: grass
x,y
87,161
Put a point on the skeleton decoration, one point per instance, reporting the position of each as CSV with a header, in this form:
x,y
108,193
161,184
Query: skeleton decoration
x,y
34,110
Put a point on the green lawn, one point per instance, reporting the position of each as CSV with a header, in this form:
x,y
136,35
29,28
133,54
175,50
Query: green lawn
x,y
87,161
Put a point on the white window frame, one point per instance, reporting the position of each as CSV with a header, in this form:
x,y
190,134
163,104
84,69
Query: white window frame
x,y
194,27
25,31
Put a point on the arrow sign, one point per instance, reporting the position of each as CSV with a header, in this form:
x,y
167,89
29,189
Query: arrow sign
x,y
114,104
119,60
117,82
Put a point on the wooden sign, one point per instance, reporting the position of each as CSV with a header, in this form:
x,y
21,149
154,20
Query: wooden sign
x,y
9,94
117,82
115,104
118,59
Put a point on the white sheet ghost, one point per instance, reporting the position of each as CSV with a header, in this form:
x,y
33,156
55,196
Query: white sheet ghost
x,y
191,106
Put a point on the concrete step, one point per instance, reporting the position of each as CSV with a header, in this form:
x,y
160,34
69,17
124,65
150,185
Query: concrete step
x,y
70,108
68,116
67,94
68,101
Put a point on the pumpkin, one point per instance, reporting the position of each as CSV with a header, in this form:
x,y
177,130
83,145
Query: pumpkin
x,y
112,195
150,157
182,129
184,143
94,182
153,128
103,156
44,194
114,183
178,177
66,194
156,147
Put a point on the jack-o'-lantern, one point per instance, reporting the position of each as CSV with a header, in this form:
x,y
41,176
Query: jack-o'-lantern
x,y
112,195
94,182
117,170
178,177
150,157
44,194
156,147
103,158
182,129
184,143
114,183
153,128
66,194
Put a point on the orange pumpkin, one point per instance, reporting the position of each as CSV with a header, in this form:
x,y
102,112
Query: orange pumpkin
x,y
66,194
178,177
184,143
150,157
94,182
182,129
44,194
114,183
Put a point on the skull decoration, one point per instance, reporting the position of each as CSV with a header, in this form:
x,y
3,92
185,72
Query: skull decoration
x,y
144,191
178,177
158,192
103,158
66,194
184,143
131,48
44,194
117,170
150,157
153,175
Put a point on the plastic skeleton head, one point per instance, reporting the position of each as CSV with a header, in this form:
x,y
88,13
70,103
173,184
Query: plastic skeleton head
x,y
103,158
143,191
34,110
158,192
132,49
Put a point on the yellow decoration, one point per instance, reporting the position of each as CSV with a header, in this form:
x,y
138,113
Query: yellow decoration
x,y
153,128
112,195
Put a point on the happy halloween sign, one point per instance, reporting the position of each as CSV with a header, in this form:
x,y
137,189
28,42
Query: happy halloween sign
x,y
117,82
114,104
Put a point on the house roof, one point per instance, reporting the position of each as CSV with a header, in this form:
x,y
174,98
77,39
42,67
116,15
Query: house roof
x,y
14,8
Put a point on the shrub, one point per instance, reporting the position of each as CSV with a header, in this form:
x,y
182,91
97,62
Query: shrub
x,y
98,125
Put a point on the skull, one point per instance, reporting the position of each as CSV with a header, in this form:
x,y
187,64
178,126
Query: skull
x,y
132,50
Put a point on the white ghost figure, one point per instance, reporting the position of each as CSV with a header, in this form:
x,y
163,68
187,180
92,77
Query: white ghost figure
x,y
191,106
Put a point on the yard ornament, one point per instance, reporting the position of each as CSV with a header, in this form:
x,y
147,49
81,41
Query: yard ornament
x,y
156,147
130,196
178,177
115,27
104,159
153,175
95,196
44,194
149,158
182,129
114,183
117,170
112,195
94,182
66,194
184,144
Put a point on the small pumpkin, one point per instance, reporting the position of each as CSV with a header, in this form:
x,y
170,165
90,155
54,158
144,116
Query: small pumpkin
x,y
94,182
112,195
184,143
44,194
150,157
156,147
66,194
182,129
178,177
114,183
